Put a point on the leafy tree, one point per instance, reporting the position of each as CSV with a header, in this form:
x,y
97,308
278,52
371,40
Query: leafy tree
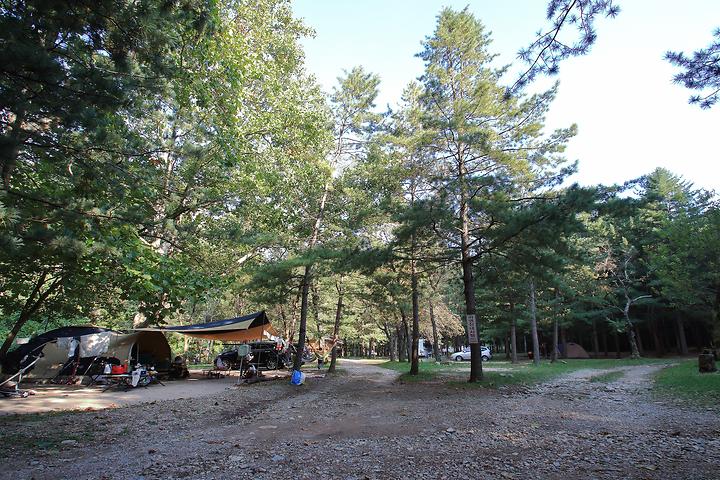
x,y
71,78
351,105
166,128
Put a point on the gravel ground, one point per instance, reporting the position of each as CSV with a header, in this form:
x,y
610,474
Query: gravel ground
x,y
364,425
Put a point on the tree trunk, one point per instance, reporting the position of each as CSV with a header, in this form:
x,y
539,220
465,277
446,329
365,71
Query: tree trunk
x,y
336,326
406,334
605,342
513,340
553,357
436,343
596,342
617,343
400,343
657,341
638,338
316,311
7,162
303,317
563,340
393,348
634,352
34,301
682,340
533,324
414,356
307,278
629,327
476,373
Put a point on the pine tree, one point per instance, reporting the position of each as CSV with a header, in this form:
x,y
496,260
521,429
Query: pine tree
x,y
488,147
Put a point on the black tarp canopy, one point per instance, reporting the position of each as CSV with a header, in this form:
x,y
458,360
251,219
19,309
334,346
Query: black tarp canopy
x,y
255,326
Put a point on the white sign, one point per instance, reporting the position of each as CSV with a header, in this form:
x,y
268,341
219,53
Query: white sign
x,y
471,329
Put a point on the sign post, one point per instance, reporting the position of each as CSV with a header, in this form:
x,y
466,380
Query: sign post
x,y
471,329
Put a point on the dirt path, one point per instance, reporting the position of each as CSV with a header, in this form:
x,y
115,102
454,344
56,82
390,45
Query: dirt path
x,y
56,398
363,424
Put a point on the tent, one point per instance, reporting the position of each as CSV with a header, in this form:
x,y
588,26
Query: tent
x,y
574,350
255,326
73,351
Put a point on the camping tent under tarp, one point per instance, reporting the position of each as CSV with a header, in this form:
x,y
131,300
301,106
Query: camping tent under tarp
x,y
73,350
255,326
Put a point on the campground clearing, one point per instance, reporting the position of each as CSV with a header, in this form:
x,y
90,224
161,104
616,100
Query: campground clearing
x,y
367,424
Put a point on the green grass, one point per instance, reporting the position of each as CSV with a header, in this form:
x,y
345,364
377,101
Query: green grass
x,y
425,366
48,440
608,377
684,381
427,370
524,373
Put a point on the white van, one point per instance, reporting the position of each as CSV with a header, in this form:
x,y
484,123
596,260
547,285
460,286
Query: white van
x,y
425,348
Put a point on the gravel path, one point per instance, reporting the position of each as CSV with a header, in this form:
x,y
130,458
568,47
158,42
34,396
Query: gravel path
x,y
364,425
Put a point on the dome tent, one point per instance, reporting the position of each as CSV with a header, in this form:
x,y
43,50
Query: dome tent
x,y
574,350
74,350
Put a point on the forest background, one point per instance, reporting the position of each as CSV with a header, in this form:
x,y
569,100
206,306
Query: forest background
x,y
175,163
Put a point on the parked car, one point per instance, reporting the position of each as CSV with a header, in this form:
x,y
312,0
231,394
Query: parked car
x,y
266,355
485,354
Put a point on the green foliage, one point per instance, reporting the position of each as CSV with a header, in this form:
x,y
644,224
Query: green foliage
x,y
141,147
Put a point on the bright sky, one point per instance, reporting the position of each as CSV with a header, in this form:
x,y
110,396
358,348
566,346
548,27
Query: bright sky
x,y
631,117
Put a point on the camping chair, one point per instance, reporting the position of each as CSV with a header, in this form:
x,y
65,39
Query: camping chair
x,y
16,392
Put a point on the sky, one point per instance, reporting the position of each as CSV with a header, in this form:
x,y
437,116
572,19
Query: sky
x,y
631,118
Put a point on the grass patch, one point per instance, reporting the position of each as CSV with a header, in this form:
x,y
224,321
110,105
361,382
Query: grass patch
x,y
608,377
683,380
424,366
419,378
524,373
427,371
41,440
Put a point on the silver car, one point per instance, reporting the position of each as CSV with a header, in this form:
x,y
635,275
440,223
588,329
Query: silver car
x,y
485,354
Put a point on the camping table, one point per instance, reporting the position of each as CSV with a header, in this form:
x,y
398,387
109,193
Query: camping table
x,y
117,379
125,379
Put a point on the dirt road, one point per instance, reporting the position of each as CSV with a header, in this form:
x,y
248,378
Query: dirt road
x,y
364,425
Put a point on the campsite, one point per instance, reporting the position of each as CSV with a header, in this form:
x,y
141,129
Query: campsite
x,y
322,239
